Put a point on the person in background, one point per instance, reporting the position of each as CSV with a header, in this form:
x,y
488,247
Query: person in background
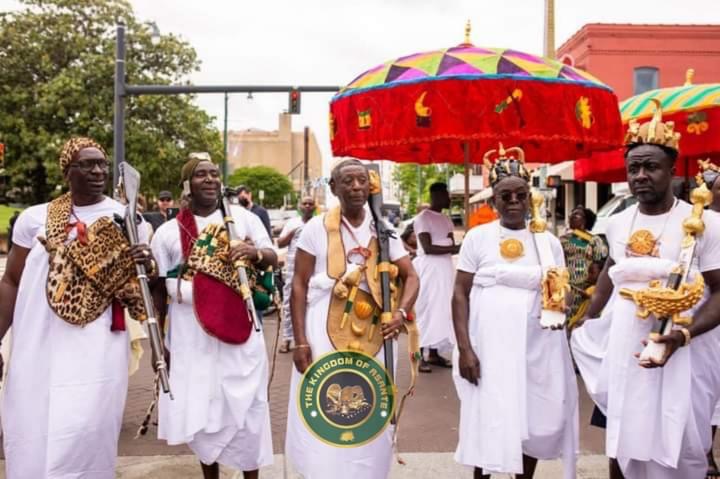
x,y
584,256
164,211
289,237
434,266
245,198
409,240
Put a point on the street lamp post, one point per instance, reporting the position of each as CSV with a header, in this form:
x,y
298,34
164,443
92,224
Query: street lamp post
x,y
123,90
119,112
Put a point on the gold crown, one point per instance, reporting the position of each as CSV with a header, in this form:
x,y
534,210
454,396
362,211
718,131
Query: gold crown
x,y
655,132
505,164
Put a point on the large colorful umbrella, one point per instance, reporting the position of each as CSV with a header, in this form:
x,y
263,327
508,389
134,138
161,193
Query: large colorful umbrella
x,y
453,105
695,109
422,108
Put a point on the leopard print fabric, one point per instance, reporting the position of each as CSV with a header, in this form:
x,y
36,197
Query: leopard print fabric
x,y
73,146
210,255
84,279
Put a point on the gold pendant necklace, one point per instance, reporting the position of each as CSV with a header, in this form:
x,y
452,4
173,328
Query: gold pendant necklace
x,y
643,242
511,248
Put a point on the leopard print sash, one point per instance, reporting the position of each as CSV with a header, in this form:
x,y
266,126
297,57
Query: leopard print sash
x,y
83,279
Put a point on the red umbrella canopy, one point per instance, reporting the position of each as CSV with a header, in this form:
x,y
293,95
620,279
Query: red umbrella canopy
x,y
695,110
423,107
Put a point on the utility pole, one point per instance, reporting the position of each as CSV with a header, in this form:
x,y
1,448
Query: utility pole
x,y
549,44
225,142
306,161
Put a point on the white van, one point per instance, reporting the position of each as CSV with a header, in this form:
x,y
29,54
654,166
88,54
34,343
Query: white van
x,y
622,199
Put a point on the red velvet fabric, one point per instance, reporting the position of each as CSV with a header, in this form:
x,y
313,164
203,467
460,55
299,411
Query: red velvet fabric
x,y
220,310
544,119
118,316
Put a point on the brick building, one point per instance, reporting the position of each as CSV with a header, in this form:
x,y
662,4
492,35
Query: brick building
x,y
633,59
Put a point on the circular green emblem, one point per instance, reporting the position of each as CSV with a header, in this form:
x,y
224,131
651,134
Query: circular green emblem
x,y
346,398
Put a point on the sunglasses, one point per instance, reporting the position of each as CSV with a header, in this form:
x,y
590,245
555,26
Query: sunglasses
x,y
507,196
164,199
87,166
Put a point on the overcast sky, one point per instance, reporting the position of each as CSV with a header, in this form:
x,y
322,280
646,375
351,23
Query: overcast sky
x,y
329,42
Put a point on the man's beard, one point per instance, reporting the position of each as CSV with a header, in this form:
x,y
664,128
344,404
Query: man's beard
x,y
244,202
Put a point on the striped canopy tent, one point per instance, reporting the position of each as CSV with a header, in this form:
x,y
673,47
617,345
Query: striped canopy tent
x,y
695,109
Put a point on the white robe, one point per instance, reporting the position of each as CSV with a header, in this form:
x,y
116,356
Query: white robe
x,y
220,408
66,385
526,398
311,457
436,273
658,420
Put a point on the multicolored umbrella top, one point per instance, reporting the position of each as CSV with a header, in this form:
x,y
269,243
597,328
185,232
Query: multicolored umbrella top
x,y
433,107
469,63
687,99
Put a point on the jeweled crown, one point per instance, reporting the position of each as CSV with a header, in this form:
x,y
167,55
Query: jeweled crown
x,y
502,163
654,132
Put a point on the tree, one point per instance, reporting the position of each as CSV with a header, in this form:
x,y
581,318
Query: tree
x,y
407,175
275,185
56,81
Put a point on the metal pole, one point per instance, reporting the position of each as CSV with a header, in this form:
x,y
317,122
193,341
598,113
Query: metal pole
x,y
119,100
225,142
306,162
466,164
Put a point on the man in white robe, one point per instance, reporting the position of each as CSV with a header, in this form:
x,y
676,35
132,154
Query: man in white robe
x,y
515,380
311,295
220,408
658,411
434,265
66,385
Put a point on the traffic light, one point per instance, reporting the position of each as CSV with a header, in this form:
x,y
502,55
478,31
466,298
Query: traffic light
x,y
2,154
294,102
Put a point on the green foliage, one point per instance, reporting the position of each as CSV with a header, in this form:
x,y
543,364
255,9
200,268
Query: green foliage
x,y
56,81
256,178
6,213
407,176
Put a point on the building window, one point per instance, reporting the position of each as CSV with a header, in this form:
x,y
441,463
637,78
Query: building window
x,y
646,79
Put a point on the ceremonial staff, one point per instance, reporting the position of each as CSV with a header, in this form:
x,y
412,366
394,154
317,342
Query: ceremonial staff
x,y
384,233
240,264
128,188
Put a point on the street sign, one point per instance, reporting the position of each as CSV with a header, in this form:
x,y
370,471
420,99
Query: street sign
x,y
261,194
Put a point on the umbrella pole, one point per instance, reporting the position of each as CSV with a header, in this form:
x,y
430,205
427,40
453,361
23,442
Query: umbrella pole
x,y
466,164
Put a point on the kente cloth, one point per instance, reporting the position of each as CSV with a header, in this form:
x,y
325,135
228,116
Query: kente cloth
x,y
220,408
526,400
295,224
672,405
312,458
581,251
436,273
66,385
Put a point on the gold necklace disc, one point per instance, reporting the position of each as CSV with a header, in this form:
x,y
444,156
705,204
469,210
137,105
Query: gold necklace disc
x,y
511,248
642,243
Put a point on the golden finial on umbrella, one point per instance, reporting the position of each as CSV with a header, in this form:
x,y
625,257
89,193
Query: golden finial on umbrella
x,y
468,29
689,75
